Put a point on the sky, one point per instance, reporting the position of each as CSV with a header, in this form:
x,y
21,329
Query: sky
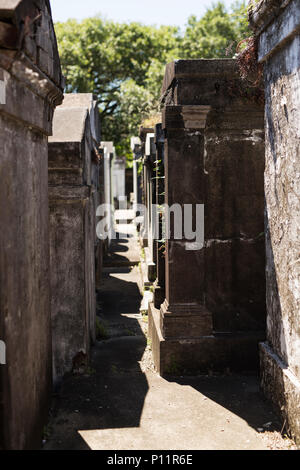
x,y
170,12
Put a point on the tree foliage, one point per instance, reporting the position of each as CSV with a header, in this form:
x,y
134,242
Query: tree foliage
x,y
216,32
123,64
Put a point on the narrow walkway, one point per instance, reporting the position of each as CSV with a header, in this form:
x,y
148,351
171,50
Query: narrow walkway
x,y
122,404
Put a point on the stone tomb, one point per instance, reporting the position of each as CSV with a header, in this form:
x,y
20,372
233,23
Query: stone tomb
x,y
32,86
277,26
213,316
74,192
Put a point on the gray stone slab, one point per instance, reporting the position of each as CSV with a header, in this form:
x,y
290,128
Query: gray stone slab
x,y
69,124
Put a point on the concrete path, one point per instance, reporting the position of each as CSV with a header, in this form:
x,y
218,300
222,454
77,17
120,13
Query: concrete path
x,y
125,250
122,404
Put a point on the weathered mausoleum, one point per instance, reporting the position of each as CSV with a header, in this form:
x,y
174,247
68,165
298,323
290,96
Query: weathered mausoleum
x,y
74,196
213,316
30,71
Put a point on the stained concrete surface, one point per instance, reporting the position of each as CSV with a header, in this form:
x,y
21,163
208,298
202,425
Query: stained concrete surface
x,y
122,404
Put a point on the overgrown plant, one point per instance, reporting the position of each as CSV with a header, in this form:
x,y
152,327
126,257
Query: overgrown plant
x,y
247,58
101,331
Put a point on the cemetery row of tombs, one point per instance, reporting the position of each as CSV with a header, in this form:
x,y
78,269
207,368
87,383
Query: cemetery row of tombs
x,y
229,303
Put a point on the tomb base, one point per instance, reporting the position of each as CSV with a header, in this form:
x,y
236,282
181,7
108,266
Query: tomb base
x,y
214,353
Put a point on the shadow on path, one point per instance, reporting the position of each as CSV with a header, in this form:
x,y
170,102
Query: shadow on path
x,y
112,393
238,394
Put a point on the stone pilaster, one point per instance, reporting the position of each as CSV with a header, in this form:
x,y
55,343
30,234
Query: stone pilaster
x,y
74,192
150,199
183,314
109,152
213,316
136,150
145,185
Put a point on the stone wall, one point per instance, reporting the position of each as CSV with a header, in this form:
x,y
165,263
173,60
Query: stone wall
x,y
150,199
74,192
30,70
276,25
213,316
